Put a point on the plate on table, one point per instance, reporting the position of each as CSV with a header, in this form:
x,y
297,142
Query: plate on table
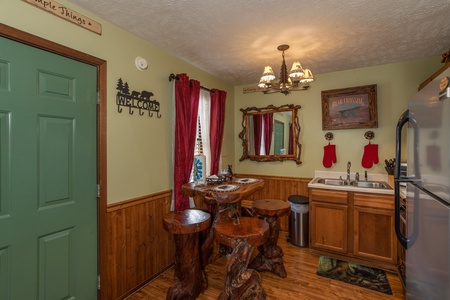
x,y
246,180
226,188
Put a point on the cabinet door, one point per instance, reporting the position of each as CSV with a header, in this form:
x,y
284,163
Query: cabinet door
x,y
329,226
374,234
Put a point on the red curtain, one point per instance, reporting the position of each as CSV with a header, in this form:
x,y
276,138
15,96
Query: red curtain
x,y
257,133
291,140
268,128
217,121
187,95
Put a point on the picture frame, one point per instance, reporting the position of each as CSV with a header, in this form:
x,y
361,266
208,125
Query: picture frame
x,y
350,108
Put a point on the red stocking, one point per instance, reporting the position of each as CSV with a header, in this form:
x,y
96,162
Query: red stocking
x,y
370,155
329,155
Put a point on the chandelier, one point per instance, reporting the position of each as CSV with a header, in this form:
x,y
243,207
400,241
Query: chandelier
x,y
297,79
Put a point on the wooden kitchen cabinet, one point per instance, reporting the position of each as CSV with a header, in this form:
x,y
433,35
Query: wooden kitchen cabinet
x,y
354,226
328,220
375,237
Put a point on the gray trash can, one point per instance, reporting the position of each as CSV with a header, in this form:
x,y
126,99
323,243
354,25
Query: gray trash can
x,y
299,221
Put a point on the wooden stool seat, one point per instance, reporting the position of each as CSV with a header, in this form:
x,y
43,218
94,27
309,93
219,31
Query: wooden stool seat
x,y
187,221
254,230
270,256
189,277
242,234
271,207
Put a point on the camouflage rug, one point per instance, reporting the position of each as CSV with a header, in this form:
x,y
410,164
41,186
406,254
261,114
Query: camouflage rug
x,y
353,273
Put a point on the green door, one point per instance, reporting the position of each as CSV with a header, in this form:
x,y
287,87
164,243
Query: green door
x,y
279,137
48,179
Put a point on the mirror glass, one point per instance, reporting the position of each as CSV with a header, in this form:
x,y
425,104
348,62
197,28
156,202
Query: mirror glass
x,y
271,133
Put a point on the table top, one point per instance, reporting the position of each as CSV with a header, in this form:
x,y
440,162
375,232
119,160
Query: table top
x,y
225,195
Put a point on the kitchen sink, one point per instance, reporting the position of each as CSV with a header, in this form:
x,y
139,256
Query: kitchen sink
x,y
361,184
371,184
329,181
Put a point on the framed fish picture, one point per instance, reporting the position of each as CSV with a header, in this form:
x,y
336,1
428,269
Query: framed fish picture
x,y
350,108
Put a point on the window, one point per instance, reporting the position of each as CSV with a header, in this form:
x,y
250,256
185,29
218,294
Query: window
x,y
202,136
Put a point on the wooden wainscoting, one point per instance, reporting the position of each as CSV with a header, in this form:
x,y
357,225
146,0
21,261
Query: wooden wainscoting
x,y
139,248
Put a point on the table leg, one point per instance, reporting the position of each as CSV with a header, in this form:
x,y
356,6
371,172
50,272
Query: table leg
x,y
270,256
223,212
189,278
241,282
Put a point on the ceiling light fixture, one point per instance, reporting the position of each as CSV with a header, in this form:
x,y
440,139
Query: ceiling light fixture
x,y
297,79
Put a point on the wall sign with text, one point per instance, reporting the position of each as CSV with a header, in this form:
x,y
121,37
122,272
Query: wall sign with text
x,y
350,108
67,14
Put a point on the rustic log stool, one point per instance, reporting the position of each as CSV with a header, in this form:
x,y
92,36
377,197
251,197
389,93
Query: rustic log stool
x,y
189,278
242,234
270,257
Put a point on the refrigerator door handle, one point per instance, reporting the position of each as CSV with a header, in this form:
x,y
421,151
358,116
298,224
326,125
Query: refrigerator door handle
x,y
404,118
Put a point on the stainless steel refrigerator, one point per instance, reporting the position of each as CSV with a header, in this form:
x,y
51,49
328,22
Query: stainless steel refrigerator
x,y
427,236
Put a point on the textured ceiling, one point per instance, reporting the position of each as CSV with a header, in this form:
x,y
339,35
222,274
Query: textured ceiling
x,y
234,39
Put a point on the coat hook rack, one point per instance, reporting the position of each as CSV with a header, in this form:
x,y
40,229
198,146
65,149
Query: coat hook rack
x,y
135,100
328,136
369,135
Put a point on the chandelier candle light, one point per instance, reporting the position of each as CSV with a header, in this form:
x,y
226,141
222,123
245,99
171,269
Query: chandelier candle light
x,y
297,79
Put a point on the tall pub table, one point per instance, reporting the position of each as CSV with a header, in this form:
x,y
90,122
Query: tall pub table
x,y
224,204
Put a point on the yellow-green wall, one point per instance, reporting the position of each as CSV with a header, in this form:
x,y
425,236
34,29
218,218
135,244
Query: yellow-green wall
x,y
139,148
395,84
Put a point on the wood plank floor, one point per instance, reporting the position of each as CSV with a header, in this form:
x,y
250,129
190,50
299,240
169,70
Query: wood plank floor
x,y
301,282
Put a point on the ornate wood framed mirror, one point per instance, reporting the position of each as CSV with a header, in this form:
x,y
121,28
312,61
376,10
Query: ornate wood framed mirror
x,y
271,133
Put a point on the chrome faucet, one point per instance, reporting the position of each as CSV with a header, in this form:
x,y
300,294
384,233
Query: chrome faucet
x,y
357,176
349,164
365,175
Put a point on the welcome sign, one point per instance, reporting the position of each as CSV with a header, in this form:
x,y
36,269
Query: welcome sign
x,y
62,11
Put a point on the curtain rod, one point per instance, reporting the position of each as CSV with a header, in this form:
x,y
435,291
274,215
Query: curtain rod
x,y
173,77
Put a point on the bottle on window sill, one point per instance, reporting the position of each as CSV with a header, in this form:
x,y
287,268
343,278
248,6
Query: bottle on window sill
x,y
199,169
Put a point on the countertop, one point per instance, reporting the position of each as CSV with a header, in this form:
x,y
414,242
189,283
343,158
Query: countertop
x,y
348,188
